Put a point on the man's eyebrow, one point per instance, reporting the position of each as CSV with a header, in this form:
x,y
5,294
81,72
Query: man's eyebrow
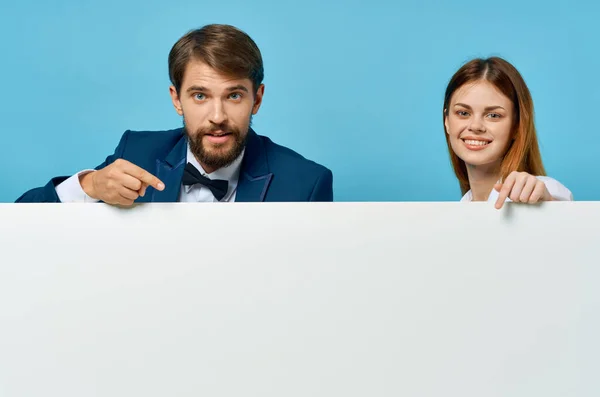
x,y
197,88
239,87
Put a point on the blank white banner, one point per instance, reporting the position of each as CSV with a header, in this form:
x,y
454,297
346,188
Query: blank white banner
x,y
319,299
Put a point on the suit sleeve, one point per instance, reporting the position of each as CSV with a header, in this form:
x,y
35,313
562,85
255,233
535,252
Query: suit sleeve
x,y
47,193
323,189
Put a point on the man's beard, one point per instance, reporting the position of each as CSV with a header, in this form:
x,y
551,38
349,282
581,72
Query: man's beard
x,y
218,156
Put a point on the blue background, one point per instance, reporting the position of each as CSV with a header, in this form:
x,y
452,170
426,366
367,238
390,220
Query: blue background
x,y
355,85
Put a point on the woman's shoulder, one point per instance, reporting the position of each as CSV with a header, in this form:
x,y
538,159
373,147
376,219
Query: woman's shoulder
x,y
556,189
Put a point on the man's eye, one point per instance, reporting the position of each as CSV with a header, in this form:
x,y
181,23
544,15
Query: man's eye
x,y
199,97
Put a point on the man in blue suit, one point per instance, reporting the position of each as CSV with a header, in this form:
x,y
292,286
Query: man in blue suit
x,y
216,74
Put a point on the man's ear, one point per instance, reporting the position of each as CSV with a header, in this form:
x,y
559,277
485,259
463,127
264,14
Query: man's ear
x,y
258,98
176,101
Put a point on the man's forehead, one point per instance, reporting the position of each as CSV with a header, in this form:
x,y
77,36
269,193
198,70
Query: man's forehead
x,y
199,73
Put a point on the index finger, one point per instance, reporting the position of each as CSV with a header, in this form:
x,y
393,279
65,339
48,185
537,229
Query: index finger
x,y
143,175
505,192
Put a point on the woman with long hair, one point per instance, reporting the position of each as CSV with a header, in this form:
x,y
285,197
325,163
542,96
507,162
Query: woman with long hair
x,y
491,136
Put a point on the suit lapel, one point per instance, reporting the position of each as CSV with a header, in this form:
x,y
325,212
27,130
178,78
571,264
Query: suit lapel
x,y
253,181
254,177
170,172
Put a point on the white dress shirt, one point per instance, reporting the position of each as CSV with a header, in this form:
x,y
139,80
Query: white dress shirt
x,y
70,190
556,189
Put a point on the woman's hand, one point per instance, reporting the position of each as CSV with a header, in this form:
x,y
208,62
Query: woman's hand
x,y
521,187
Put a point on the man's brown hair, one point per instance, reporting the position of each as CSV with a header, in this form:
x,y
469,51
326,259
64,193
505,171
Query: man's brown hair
x,y
224,48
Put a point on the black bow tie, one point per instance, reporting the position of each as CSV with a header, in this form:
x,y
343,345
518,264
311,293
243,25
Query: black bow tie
x,y
192,176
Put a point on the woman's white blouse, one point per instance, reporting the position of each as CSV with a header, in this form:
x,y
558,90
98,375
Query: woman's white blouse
x,y
556,189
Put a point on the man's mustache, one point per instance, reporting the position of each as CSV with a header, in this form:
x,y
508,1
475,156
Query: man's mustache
x,y
221,128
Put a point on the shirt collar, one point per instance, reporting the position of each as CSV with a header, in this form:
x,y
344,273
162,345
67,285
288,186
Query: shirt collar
x,y
467,197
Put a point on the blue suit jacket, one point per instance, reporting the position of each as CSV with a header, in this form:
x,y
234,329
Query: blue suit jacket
x,y
269,172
